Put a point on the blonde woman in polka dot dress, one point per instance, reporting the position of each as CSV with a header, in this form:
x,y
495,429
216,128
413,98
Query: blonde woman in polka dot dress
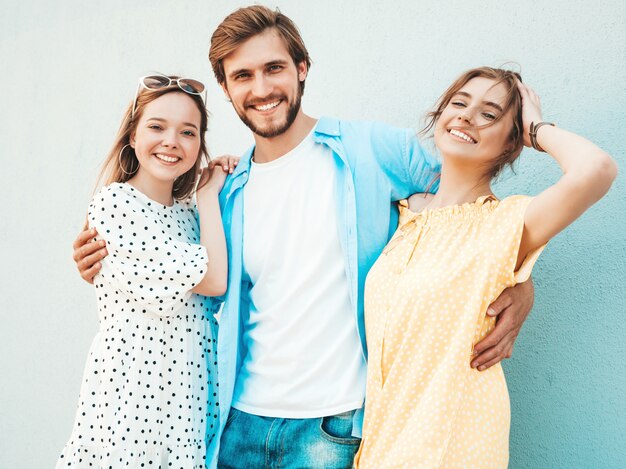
x,y
148,396
452,255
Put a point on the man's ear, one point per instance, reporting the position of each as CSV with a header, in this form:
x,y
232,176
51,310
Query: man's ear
x,y
303,71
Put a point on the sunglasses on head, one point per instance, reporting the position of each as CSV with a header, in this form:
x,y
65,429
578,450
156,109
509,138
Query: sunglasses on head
x,y
156,82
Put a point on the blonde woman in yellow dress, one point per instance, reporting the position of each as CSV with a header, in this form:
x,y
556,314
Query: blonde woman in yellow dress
x,y
453,253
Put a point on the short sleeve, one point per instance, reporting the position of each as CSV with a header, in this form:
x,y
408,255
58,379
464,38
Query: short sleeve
x,y
507,228
155,269
408,165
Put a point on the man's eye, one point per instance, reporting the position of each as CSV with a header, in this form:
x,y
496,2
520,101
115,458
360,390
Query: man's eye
x,y
275,68
242,76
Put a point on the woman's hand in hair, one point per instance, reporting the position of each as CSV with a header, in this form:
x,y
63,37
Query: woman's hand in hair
x,y
531,109
88,254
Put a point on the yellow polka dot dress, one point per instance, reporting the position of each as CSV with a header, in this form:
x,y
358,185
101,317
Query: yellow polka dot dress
x,y
425,307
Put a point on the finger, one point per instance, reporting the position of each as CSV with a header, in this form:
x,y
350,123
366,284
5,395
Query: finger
x,y
89,274
489,355
87,249
83,237
499,352
89,261
490,363
523,89
500,304
502,329
533,96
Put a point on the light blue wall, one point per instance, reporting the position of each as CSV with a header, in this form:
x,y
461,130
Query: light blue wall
x,y
69,67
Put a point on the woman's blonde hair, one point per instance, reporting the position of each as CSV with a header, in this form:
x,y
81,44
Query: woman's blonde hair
x,y
121,163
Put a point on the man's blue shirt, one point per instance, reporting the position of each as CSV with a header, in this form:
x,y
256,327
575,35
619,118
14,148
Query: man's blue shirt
x,y
376,165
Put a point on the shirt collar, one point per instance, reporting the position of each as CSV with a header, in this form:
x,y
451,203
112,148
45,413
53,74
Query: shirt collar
x,y
327,126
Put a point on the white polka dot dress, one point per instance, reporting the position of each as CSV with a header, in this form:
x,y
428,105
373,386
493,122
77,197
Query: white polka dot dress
x,y
425,307
149,391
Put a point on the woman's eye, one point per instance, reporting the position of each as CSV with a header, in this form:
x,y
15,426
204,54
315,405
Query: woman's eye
x,y
189,133
489,116
154,126
458,103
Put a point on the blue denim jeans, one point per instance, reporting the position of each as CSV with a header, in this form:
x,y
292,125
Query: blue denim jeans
x,y
250,442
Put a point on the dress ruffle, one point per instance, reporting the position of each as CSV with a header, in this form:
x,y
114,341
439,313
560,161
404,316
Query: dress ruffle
x,y
179,457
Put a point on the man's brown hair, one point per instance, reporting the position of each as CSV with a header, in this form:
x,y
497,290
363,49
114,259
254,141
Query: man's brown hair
x,y
247,22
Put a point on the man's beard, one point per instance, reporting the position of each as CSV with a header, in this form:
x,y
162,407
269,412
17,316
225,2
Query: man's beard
x,y
275,131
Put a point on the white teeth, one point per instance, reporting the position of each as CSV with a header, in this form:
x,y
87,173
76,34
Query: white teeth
x,y
168,159
267,107
465,137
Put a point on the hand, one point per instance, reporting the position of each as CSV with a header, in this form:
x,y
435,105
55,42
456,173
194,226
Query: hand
x,y
227,162
512,308
88,254
213,177
531,109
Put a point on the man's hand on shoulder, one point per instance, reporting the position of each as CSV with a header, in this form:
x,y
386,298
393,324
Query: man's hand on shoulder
x,y
88,254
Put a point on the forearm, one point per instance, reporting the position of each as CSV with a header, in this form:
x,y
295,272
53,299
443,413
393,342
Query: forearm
x,y
212,238
585,166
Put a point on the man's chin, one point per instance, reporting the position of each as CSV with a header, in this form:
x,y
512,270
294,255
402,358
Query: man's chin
x,y
271,132
267,131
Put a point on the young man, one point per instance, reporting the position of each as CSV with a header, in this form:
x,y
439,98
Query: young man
x,y
306,213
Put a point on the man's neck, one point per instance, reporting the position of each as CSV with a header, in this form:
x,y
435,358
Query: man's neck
x,y
270,149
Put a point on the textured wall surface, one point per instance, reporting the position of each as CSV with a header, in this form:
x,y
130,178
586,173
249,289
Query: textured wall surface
x,y
70,67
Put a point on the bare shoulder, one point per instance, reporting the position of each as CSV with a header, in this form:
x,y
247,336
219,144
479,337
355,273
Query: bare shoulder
x,y
418,201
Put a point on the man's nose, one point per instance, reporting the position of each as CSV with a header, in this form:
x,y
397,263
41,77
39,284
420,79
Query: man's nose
x,y
262,87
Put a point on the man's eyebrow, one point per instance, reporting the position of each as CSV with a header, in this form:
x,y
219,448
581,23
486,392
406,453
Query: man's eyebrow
x,y
276,62
488,103
160,119
234,73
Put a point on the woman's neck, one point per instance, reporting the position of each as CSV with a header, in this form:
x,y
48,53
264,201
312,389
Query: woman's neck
x,y
459,185
157,190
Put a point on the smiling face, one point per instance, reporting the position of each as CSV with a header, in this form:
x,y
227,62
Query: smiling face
x,y
167,138
264,84
474,128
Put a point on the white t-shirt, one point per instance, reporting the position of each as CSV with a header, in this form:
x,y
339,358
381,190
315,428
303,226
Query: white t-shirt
x,y
304,356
